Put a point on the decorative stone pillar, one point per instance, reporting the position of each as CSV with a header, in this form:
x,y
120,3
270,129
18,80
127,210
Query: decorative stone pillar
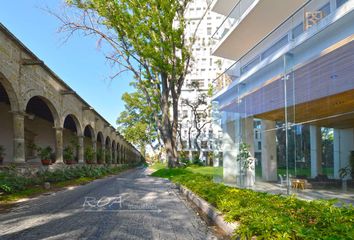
x,y
114,158
81,149
19,137
94,148
59,145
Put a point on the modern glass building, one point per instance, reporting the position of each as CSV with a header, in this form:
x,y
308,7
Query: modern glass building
x,y
286,106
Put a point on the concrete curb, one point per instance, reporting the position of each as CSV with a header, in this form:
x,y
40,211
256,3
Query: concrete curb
x,y
209,210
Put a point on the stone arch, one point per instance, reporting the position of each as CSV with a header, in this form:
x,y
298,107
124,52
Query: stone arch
x,y
49,104
89,132
75,119
8,104
71,133
39,125
11,93
71,118
108,149
100,143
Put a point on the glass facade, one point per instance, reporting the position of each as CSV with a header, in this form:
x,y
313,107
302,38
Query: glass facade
x,y
290,124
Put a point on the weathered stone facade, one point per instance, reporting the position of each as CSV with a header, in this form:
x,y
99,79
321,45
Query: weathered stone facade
x,y
28,86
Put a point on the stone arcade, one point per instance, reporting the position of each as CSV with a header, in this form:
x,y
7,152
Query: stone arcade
x,y
37,107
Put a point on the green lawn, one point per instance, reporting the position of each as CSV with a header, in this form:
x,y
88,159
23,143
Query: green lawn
x,y
157,166
265,215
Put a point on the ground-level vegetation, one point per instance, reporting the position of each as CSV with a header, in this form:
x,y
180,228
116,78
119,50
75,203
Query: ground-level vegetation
x,y
265,215
15,185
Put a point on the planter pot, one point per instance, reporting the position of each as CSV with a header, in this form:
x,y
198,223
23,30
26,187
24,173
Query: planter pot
x,y
69,162
46,162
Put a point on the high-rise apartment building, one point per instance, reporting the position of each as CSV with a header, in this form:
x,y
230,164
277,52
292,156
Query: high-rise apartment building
x,y
201,24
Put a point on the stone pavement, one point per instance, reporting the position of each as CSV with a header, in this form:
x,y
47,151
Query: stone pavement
x,y
131,205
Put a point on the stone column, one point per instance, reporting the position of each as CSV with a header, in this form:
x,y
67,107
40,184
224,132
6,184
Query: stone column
x,y
19,137
269,151
94,147
114,157
343,144
59,145
81,149
316,150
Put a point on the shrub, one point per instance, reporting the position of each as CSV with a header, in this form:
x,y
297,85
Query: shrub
x,y
269,216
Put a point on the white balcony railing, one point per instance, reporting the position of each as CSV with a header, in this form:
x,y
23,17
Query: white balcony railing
x,y
303,20
233,18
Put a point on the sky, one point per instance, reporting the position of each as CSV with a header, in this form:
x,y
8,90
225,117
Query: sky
x,y
79,62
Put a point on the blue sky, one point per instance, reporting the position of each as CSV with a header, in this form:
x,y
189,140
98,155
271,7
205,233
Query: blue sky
x,y
78,62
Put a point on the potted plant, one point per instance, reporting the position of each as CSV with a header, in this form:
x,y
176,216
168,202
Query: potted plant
x,y
99,156
68,155
89,154
45,155
347,171
2,154
247,163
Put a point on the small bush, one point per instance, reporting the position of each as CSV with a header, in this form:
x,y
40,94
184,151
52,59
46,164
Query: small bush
x,y
11,182
269,216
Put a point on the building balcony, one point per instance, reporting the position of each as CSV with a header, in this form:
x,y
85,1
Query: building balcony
x,y
223,7
266,56
248,23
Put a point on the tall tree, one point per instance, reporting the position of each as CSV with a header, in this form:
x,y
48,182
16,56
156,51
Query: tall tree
x,y
147,38
136,122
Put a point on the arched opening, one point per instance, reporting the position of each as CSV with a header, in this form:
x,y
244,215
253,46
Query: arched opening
x,y
114,153
108,151
89,151
71,130
39,129
6,127
100,148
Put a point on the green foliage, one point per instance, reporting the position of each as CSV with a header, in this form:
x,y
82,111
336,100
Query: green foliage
x,y
2,151
12,182
89,154
68,153
100,153
147,38
268,216
45,153
244,156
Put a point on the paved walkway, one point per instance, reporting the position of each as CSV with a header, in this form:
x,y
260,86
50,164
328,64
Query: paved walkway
x,y
128,206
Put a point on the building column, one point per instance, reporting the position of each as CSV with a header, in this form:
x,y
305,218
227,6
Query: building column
x,y
94,148
81,149
230,138
59,145
269,151
342,146
19,137
316,150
